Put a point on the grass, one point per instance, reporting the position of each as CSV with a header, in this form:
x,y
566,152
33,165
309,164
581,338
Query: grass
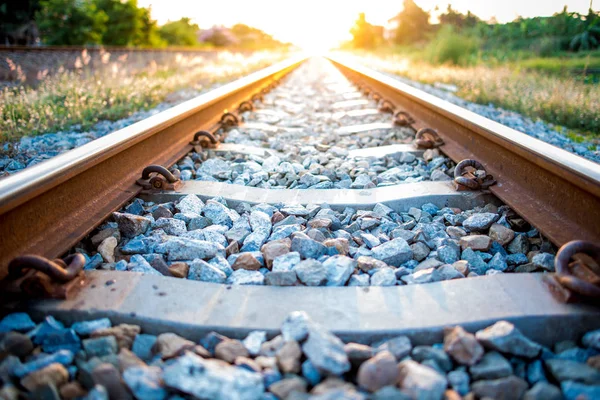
x,y
83,97
560,99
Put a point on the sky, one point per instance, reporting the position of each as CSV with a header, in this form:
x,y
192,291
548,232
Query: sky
x,y
319,24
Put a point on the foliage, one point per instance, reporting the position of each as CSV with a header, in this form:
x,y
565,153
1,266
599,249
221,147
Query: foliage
x,y
448,46
458,20
413,24
365,35
124,21
14,16
251,38
180,33
71,22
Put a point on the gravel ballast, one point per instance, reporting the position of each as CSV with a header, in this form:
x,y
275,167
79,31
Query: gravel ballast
x,y
95,359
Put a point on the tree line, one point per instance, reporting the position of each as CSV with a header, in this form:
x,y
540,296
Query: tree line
x,y
564,31
111,23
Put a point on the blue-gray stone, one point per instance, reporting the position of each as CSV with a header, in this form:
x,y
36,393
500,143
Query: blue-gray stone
x,y
245,277
576,391
202,378
286,262
256,239
459,381
310,272
98,392
64,357
270,376
311,373
182,249
384,277
567,370
395,252
190,204
84,328
339,268
254,340
121,266
544,261
94,262
505,337
308,248
577,354
492,366
145,382
219,214
476,263
423,353
142,346
138,263
497,248
359,280
49,325
592,339
480,222
221,263
283,231
448,254
399,346
535,372
64,339
498,262
137,245
136,207
101,346
325,351
517,259
210,273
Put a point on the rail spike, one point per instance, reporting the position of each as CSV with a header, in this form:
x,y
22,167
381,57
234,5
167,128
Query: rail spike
x,y
228,120
36,276
471,175
576,278
428,138
402,118
387,106
204,139
157,177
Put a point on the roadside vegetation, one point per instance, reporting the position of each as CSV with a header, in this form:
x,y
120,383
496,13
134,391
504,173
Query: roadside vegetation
x,y
543,67
115,23
79,99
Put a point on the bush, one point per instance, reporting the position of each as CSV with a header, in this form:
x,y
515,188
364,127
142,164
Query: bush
x,y
450,47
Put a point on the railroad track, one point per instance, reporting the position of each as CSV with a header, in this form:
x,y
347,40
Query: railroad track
x,y
311,175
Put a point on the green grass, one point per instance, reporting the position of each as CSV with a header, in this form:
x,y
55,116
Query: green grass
x,y
560,99
83,98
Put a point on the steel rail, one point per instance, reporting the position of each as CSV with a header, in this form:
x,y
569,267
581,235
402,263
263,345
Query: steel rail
x,y
554,190
48,208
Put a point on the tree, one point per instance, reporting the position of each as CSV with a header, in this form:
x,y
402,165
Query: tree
x,y
457,19
413,23
148,35
365,35
180,33
71,22
17,25
589,38
124,21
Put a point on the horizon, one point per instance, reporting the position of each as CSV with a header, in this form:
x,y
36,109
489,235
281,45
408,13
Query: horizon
x,y
335,18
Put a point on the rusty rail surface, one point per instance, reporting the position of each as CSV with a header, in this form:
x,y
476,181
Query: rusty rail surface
x,y
48,208
554,190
